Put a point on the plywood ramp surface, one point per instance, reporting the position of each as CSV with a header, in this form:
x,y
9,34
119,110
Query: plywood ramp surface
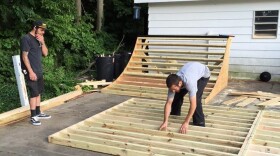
x,y
154,58
131,129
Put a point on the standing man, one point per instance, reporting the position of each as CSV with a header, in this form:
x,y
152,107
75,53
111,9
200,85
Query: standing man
x,y
32,48
192,78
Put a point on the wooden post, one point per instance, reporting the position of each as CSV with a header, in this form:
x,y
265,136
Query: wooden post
x,y
79,10
20,81
99,15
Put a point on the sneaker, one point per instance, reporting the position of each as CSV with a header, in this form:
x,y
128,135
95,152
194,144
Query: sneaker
x,y
43,116
34,121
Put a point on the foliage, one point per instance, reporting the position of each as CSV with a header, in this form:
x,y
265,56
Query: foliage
x,y
72,45
9,97
57,80
119,21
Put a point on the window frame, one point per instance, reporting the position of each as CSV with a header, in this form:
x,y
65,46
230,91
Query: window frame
x,y
254,36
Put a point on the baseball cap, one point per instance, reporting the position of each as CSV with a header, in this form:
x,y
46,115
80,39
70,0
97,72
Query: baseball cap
x,y
39,24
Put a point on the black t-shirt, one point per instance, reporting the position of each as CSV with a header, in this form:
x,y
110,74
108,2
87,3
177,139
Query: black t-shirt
x,y
31,45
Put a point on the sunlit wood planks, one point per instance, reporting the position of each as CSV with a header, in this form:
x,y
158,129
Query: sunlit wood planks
x,y
131,128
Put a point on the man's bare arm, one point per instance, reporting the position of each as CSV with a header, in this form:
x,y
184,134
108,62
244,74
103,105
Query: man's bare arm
x,y
167,109
185,125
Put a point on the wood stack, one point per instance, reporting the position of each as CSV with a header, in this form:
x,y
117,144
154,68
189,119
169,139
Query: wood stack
x,y
259,98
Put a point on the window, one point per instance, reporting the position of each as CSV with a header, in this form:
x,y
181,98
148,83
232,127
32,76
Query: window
x,y
266,24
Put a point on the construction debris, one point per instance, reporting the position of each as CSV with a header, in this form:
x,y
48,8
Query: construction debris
x,y
95,84
246,98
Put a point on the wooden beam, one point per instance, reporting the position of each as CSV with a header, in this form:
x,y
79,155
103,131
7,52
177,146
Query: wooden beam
x,y
264,149
183,44
162,51
235,100
178,58
246,102
23,112
170,64
182,38
269,102
249,137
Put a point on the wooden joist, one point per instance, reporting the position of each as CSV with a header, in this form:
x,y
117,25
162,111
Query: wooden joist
x,y
266,140
132,126
183,44
179,58
180,52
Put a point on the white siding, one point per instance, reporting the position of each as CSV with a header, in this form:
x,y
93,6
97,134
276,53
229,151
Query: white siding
x,y
249,57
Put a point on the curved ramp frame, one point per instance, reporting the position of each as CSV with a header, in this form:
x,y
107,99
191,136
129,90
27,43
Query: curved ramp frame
x,y
155,57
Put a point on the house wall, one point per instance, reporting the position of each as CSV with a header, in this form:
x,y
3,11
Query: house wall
x,y
249,57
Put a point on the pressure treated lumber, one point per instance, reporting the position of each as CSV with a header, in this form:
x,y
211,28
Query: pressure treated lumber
x,y
132,126
246,102
95,84
265,140
154,58
24,112
234,100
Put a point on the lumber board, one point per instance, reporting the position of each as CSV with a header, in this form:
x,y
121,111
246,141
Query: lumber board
x,y
263,149
133,126
211,67
257,153
246,102
24,112
249,138
179,51
258,93
183,44
183,38
235,100
222,79
95,83
163,70
178,58
269,102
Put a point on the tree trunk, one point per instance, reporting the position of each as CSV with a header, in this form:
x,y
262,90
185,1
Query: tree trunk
x,y
79,10
100,14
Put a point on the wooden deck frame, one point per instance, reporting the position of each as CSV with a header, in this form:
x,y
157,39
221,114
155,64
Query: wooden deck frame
x,y
156,57
265,140
131,128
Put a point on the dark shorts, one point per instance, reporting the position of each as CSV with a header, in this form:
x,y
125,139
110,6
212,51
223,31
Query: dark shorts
x,y
35,87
